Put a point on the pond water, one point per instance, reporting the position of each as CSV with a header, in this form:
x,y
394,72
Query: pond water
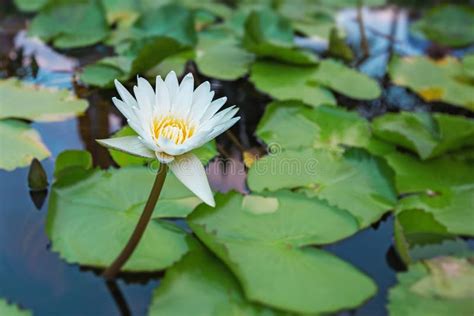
x,y
34,276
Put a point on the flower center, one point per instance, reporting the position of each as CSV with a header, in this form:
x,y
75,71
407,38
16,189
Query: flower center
x,y
175,129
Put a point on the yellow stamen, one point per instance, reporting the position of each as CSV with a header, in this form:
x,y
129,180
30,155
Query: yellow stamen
x,y
174,129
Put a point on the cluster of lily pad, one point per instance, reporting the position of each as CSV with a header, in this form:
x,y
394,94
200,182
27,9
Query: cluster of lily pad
x,y
334,173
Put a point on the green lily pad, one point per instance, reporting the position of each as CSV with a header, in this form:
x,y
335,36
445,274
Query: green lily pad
x,y
30,5
105,71
20,144
289,82
267,250
451,207
206,285
12,310
321,127
438,287
433,80
338,47
418,235
91,217
448,24
175,22
70,23
443,187
468,65
71,159
121,12
438,174
354,181
269,35
151,51
222,59
25,101
428,136
347,81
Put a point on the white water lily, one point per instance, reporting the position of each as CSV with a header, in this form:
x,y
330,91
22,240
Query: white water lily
x,y
171,121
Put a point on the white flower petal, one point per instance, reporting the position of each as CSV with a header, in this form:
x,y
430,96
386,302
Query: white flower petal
x,y
216,131
124,94
172,84
190,171
184,99
124,108
162,97
128,144
201,99
215,106
145,96
220,118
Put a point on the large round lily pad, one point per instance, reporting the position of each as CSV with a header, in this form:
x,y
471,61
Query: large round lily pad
x,y
268,250
91,217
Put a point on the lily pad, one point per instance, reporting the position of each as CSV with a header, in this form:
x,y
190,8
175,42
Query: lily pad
x,y
70,23
321,127
346,81
267,250
30,5
222,59
438,287
121,12
25,101
12,310
269,35
91,217
468,65
71,159
450,207
354,181
413,175
206,285
20,144
418,235
175,22
443,187
289,82
448,24
429,136
433,80
105,71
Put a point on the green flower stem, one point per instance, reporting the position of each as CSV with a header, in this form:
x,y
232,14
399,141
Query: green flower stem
x,y
137,234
